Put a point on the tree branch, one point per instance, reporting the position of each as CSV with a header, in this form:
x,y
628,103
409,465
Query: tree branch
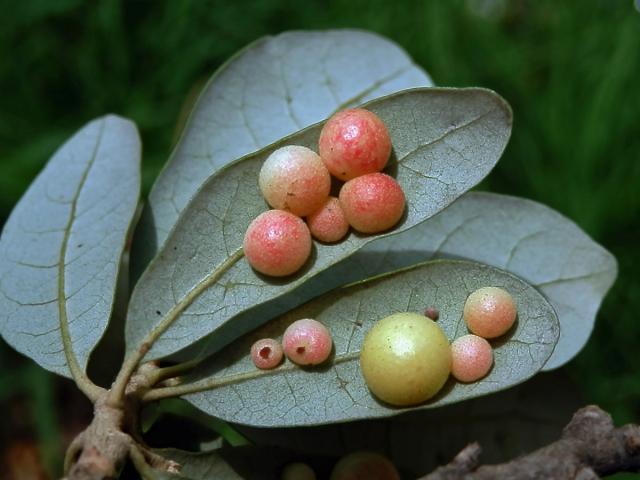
x,y
590,447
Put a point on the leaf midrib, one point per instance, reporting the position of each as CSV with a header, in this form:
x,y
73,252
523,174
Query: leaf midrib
x,y
235,378
175,311
79,376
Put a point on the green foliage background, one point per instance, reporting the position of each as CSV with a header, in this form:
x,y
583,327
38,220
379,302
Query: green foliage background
x,y
569,69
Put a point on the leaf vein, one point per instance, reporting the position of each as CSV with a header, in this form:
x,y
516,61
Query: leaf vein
x,y
447,132
78,375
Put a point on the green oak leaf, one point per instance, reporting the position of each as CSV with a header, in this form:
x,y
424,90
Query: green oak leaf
x,y
230,387
444,142
272,88
61,247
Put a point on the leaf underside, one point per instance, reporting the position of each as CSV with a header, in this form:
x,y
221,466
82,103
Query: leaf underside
x,y
518,235
61,247
336,392
273,88
445,141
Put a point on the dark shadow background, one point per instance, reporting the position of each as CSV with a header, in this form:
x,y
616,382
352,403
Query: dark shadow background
x,y
571,71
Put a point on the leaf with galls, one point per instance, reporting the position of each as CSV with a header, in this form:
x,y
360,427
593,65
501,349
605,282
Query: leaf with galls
x,y
228,385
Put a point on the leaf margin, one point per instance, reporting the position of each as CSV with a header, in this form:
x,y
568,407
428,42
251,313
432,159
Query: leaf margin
x,y
89,143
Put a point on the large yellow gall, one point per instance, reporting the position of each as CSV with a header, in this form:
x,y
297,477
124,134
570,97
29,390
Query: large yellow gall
x,y
405,359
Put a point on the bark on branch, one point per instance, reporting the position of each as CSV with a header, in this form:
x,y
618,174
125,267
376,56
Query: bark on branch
x,y
590,447
100,452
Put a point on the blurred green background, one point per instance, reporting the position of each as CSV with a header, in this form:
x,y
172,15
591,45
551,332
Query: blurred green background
x,y
571,71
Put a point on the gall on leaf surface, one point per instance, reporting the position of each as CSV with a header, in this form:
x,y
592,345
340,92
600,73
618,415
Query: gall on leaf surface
x,y
61,247
521,236
272,88
336,392
445,141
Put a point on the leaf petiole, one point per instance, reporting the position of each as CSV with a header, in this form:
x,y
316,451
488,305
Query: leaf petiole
x,y
83,382
216,382
172,371
116,395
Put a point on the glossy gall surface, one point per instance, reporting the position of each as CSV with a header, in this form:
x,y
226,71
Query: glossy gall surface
x,y
489,312
472,358
372,203
405,359
354,142
293,178
277,243
307,342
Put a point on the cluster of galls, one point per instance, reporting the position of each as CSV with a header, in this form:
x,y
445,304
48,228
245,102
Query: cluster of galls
x,y
406,358
305,342
354,147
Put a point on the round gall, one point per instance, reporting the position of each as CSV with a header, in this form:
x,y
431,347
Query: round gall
x,y
277,243
432,312
364,465
372,203
307,342
489,312
472,358
266,353
405,359
328,224
298,471
354,142
293,178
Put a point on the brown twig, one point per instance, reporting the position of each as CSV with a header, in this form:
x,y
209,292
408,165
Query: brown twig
x,y
100,452
590,447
